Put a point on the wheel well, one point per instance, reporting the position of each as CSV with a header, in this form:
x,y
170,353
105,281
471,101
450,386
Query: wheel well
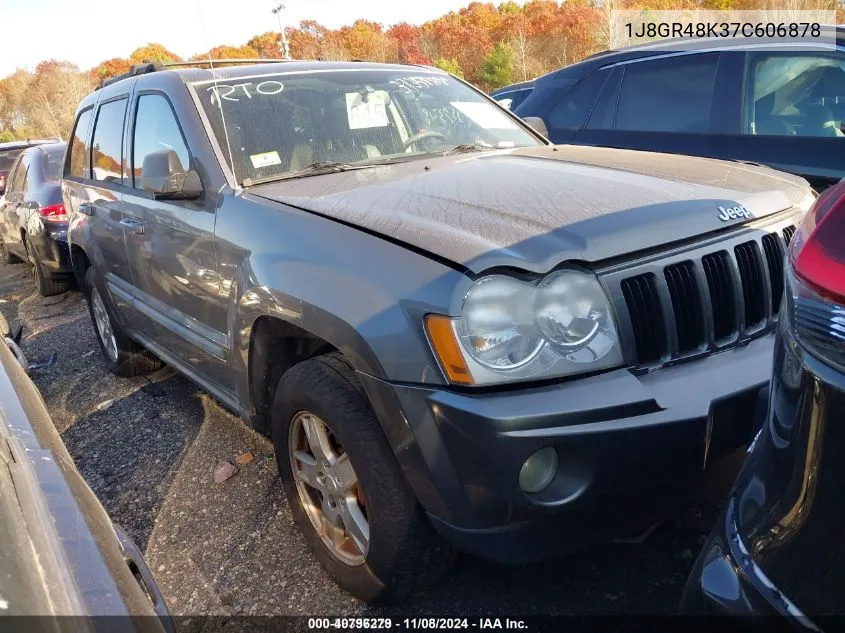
x,y
80,263
275,347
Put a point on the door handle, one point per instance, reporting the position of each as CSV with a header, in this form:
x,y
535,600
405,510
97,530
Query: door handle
x,y
86,208
133,226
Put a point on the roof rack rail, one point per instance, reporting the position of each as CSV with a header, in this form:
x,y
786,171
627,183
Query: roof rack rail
x,y
202,62
152,67
134,71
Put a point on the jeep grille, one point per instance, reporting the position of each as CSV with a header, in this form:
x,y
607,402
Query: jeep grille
x,y
702,300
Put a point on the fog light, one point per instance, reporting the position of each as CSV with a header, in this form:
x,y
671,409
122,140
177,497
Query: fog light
x,y
538,470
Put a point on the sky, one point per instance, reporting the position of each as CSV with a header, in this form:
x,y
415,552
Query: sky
x,y
86,32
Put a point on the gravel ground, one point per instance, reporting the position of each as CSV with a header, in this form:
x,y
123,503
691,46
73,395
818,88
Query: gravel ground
x,y
148,447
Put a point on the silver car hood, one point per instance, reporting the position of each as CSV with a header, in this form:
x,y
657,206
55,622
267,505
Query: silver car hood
x,y
534,208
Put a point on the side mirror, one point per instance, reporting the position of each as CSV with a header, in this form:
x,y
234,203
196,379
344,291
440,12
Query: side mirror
x,y
538,125
164,176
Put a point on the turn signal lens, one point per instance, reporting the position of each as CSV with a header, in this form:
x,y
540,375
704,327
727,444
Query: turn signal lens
x,y
444,343
818,249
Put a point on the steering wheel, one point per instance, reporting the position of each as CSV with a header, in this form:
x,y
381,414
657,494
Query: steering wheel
x,y
421,135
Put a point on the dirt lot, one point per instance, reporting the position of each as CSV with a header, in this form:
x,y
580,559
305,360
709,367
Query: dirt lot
x,y
148,448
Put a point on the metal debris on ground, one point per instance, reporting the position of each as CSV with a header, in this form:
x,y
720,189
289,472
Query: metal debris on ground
x,y
106,404
223,471
44,362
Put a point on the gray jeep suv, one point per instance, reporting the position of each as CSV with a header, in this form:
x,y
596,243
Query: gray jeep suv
x,y
458,335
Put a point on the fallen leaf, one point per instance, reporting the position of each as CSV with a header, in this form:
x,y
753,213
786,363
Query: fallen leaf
x,y
104,405
244,458
87,354
223,471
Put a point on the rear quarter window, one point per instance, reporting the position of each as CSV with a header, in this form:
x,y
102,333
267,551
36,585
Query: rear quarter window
x,y
78,164
573,107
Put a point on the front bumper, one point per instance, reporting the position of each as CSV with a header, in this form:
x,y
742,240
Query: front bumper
x,y
631,448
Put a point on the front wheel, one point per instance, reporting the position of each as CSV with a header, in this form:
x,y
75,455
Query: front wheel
x,y
345,488
123,356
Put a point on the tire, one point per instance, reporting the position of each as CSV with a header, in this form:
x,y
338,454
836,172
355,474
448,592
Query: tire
x,y
405,554
123,356
46,285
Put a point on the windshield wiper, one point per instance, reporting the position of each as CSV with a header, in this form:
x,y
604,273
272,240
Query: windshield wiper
x,y
314,169
465,148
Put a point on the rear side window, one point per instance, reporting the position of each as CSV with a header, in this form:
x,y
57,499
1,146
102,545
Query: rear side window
x,y
573,108
802,94
156,130
107,146
18,183
672,94
7,158
77,164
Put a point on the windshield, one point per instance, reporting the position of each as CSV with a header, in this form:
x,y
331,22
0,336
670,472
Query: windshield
x,y
277,124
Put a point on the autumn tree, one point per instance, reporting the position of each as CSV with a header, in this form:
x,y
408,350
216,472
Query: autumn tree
x,y
366,40
228,52
109,68
451,66
153,53
13,102
406,38
306,41
497,70
267,45
460,37
52,96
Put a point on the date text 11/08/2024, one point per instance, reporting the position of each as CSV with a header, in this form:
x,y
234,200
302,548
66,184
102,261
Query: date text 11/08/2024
x,y
413,624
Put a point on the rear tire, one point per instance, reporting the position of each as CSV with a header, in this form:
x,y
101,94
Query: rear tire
x,y
404,554
123,356
46,285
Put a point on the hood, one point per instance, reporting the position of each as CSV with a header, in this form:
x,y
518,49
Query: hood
x,y
534,208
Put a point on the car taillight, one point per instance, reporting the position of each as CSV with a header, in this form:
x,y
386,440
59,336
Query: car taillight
x,y
816,280
54,212
818,248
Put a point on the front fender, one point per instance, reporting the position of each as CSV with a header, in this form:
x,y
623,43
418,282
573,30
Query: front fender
x,y
362,294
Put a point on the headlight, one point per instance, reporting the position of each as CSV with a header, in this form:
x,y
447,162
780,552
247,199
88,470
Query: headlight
x,y
512,330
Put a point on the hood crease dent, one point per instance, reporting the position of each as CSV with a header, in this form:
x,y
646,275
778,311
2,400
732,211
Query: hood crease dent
x,y
533,208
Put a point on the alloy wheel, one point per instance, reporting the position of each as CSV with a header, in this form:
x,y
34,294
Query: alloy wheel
x,y
328,488
104,327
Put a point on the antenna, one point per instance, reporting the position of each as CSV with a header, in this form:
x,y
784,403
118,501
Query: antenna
x,y
216,95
